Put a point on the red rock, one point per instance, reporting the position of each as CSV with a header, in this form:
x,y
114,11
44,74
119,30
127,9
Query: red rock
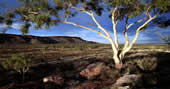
x,y
57,79
92,70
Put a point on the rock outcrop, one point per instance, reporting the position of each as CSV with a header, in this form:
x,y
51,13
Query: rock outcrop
x,y
29,39
57,79
100,71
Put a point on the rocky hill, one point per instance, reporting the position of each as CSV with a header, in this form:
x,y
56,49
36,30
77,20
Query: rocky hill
x,y
29,39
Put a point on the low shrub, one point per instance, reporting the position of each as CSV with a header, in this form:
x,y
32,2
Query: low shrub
x,y
130,67
20,63
147,64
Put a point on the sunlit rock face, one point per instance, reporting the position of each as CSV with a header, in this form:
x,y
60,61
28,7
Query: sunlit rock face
x,y
92,70
126,80
100,71
57,79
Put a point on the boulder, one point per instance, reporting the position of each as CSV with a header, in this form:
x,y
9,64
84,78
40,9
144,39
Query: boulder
x,y
92,70
57,79
99,70
128,80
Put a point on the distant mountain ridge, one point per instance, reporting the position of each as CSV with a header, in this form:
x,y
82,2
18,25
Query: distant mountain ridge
x,y
29,39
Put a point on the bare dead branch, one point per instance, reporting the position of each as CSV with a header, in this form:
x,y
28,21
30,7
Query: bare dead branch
x,y
92,24
147,12
84,4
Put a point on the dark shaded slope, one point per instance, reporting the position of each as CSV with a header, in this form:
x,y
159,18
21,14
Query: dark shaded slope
x,y
28,39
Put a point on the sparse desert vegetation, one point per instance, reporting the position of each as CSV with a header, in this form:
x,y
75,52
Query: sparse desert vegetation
x,y
62,62
86,66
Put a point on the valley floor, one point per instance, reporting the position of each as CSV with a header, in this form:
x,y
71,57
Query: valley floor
x,y
69,60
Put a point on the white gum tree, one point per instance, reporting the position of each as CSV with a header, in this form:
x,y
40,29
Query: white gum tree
x,y
49,12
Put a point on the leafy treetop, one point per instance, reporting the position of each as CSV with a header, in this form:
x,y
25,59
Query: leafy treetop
x,y
48,12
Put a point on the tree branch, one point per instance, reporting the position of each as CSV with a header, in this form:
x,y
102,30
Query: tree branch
x,y
147,12
114,26
125,33
136,22
35,13
117,17
81,9
105,31
137,33
127,39
113,13
92,24
99,26
94,19
83,27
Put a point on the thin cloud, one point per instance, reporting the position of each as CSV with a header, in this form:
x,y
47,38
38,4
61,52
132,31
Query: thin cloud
x,y
16,26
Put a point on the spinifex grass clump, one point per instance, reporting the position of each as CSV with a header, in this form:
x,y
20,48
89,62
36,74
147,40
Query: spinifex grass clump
x,y
147,64
20,63
48,13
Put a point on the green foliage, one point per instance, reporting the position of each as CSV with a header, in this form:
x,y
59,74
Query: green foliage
x,y
162,22
1,19
40,20
8,21
18,62
46,13
80,46
25,28
144,28
130,67
165,38
10,15
41,4
161,4
151,79
110,74
147,64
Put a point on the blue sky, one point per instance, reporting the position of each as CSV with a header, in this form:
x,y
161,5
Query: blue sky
x,y
148,36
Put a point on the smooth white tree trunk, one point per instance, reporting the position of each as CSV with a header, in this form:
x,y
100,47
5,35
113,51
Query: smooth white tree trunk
x,y
117,56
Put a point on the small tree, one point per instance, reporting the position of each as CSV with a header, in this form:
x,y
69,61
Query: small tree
x,y
46,13
163,22
165,38
20,63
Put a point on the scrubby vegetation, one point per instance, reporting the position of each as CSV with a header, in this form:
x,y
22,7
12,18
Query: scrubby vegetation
x,y
147,64
66,62
20,63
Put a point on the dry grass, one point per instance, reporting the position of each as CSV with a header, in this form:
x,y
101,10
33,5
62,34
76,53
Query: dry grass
x,y
72,59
